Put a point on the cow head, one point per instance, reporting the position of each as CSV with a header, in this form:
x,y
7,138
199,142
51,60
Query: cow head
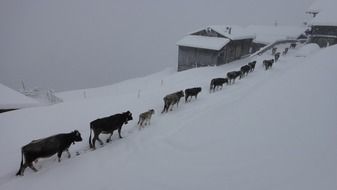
x,y
127,116
180,93
76,136
152,111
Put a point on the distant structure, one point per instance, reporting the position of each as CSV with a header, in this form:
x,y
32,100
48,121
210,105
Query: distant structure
x,y
212,46
324,23
268,34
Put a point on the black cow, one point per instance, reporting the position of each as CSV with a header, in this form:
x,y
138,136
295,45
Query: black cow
x,y
107,125
285,51
277,56
252,65
46,147
233,75
217,82
171,99
293,45
268,63
192,92
273,51
245,70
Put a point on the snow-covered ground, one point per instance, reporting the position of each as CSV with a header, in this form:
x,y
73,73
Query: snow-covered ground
x,y
11,99
274,129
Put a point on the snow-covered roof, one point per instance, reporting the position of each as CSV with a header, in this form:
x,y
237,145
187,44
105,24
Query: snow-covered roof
x,y
204,42
327,14
237,32
11,99
270,33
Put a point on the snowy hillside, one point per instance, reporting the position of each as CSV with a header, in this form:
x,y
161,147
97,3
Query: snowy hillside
x,y
274,129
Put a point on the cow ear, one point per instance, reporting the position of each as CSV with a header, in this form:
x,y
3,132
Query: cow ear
x,y
77,133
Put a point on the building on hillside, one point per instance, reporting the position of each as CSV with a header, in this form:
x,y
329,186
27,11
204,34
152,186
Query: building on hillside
x,y
13,100
212,46
324,24
268,34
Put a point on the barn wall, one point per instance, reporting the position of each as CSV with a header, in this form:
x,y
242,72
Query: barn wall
x,y
323,41
323,35
257,46
324,30
193,57
236,49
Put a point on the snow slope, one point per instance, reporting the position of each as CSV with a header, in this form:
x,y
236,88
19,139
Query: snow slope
x,y
273,129
11,99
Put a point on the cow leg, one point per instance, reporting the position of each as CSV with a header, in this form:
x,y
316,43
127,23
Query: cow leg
x,y
165,108
119,132
32,167
22,169
96,137
94,141
59,154
109,138
100,141
69,155
171,105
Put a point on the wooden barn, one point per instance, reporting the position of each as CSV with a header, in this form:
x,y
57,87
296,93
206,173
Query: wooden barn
x,y
212,46
324,24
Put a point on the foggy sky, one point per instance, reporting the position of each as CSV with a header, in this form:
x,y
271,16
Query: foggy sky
x,y
73,44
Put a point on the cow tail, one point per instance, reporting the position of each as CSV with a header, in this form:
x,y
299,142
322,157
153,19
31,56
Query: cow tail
x,y
21,164
90,144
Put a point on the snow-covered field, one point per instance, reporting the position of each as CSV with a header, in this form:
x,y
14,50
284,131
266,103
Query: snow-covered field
x,y
272,130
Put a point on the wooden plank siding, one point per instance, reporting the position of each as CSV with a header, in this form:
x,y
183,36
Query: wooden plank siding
x,y
194,57
189,57
323,35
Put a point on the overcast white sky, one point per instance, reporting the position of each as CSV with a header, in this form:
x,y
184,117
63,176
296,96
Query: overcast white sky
x,y
72,44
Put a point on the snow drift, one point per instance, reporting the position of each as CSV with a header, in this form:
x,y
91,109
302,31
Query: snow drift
x,y
273,129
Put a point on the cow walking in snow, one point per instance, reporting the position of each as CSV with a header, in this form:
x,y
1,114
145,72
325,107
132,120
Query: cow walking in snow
x,y
46,147
145,118
285,51
171,99
277,56
216,83
232,76
190,92
293,45
273,51
268,63
245,70
252,65
108,125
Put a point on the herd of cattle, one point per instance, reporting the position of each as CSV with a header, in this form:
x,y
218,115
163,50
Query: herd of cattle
x,y
59,143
